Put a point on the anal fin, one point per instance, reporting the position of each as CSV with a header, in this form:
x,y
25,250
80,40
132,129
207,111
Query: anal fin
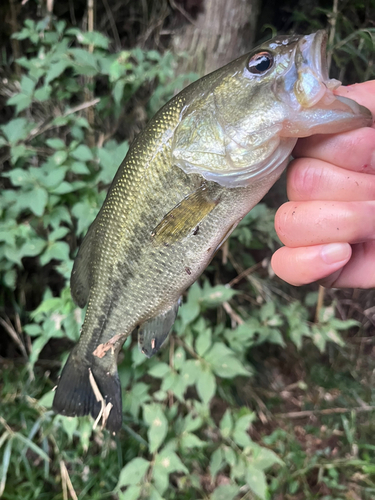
x,y
154,332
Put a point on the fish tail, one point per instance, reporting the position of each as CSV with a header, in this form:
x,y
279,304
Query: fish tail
x,y
81,376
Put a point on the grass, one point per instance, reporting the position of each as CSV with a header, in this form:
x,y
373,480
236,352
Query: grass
x,y
316,416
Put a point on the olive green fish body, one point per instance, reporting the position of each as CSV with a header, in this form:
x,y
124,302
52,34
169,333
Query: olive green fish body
x,y
205,159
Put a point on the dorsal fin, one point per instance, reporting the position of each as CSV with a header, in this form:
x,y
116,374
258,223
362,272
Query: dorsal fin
x,y
80,280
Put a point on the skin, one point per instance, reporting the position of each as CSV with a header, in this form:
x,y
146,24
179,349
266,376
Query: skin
x,y
328,226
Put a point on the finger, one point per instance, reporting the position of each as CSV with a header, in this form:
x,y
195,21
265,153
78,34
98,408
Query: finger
x,y
359,272
318,222
310,179
363,93
299,266
354,150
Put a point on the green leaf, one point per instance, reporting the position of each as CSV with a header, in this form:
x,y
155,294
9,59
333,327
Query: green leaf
x,y
37,348
32,247
58,250
263,458
90,38
170,461
27,85
225,492
85,213
5,465
43,94
21,101
189,440
110,160
267,311
214,296
33,329
79,168
224,362
19,177
133,473
63,188
10,278
226,424
192,423
47,399
157,423
206,386
36,200
55,69
189,372
203,342
16,130
179,358
69,424
241,430
216,462
82,153
131,493
256,480
159,370
55,143
58,233
189,311
59,157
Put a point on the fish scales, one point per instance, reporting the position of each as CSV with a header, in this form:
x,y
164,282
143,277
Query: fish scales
x,y
205,159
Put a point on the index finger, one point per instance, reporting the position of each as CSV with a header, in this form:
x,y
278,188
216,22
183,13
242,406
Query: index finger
x,y
363,93
353,150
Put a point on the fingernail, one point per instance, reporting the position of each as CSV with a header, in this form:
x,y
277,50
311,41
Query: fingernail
x,y
335,252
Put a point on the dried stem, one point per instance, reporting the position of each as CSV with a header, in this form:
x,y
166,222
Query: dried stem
x,y
14,42
332,32
14,336
171,364
66,482
89,96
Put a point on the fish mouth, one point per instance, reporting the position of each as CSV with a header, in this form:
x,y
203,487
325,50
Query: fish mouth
x,y
309,94
313,82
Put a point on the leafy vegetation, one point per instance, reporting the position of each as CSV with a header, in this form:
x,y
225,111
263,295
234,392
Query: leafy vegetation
x,y
212,415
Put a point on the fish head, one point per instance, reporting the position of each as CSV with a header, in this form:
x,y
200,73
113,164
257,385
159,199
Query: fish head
x,y
241,122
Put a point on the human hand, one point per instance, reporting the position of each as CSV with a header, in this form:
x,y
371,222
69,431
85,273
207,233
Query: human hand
x,y
328,226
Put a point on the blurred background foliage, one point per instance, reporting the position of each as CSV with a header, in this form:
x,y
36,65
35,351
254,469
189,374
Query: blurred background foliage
x,y
264,390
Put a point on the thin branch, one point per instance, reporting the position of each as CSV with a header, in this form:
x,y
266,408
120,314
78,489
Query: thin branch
x,y
43,128
244,273
327,411
233,315
113,25
13,334
319,304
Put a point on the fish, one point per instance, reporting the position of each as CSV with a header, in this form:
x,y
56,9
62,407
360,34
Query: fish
x,y
201,164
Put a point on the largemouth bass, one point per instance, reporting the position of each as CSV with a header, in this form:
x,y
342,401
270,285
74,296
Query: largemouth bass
x,y
201,164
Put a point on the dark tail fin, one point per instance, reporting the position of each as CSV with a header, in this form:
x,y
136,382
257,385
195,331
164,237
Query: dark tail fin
x,y
75,395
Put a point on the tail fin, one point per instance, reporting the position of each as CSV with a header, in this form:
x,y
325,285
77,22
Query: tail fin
x,y
75,396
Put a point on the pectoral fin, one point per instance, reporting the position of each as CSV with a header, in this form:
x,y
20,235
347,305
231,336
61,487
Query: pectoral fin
x,y
154,332
185,216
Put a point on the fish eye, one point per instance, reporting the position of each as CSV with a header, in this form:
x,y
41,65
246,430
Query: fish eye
x,y
259,63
